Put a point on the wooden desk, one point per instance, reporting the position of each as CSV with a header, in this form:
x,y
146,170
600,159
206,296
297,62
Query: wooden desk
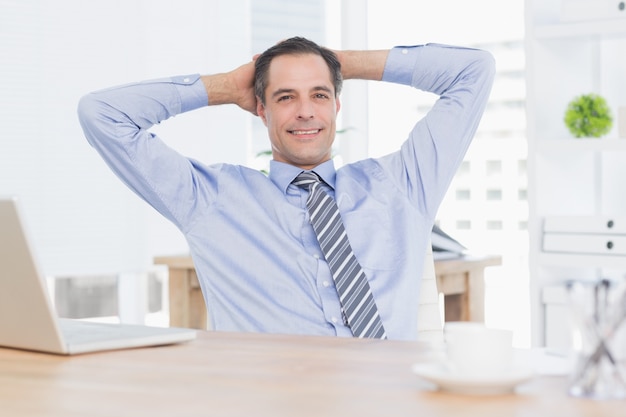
x,y
187,307
460,280
236,374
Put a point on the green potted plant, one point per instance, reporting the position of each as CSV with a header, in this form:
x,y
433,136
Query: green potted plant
x,y
588,116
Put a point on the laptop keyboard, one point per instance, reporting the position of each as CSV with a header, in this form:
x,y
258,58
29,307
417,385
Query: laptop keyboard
x,y
78,332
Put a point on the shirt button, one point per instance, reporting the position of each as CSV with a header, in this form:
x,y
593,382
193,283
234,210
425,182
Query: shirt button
x,y
316,256
334,320
405,51
326,284
186,79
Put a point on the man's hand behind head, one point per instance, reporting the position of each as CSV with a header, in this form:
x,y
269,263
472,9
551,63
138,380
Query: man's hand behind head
x,y
233,87
243,80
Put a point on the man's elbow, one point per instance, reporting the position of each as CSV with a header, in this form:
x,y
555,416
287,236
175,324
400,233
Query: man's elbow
x,y
92,117
487,64
87,108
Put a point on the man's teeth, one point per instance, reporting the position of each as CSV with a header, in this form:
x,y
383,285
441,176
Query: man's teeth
x,y
305,132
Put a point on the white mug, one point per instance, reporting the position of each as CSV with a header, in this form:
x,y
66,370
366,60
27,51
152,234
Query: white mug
x,y
476,351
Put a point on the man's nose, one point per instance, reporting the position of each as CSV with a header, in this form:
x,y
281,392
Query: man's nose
x,y
305,110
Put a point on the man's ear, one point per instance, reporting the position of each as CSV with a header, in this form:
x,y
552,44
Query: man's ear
x,y
338,101
260,110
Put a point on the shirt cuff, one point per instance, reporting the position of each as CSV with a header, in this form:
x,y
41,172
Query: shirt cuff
x,y
400,64
191,90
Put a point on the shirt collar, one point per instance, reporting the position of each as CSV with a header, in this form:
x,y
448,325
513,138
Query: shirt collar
x,y
283,174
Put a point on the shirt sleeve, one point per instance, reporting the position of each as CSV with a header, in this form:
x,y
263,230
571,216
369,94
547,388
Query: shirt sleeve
x,y
116,122
436,145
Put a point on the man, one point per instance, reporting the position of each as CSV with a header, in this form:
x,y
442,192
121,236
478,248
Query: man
x,y
256,252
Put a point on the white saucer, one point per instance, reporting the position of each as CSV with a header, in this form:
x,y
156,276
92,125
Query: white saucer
x,y
439,374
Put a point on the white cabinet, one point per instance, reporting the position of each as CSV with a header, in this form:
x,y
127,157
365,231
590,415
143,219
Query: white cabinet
x,y
585,235
575,185
583,10
584,244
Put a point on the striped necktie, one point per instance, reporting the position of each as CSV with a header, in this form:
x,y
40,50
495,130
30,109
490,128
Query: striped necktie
x,y
352,286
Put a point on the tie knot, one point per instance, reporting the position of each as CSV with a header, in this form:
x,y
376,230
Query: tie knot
x,y
305,179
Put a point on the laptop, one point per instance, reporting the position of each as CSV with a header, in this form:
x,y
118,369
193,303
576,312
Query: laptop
x,y
28,319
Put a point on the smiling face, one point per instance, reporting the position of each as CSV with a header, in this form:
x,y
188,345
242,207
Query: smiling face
x,y
300,110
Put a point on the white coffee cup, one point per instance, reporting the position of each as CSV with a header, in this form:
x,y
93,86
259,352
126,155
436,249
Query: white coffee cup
x,y
476,351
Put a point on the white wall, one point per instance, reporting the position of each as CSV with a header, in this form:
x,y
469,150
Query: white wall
x,y
82,219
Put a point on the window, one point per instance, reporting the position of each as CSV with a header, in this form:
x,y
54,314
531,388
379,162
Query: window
x,y
493,167
464,168
463,224
494,195
522,167
494,225
463,194
522,194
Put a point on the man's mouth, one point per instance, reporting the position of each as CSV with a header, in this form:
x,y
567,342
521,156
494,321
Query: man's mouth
x,y
305,132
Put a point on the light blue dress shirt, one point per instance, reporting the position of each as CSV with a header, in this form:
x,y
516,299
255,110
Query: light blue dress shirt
x,y
259,264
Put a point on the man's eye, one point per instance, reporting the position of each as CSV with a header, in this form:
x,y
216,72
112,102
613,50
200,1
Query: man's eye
x,y
284,98
322,96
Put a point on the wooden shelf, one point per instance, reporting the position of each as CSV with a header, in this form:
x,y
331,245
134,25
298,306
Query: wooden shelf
x,y
577,260
568,175
581,145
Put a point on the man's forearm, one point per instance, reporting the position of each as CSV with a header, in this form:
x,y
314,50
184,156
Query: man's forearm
x,y
363,65
233,87
218,88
